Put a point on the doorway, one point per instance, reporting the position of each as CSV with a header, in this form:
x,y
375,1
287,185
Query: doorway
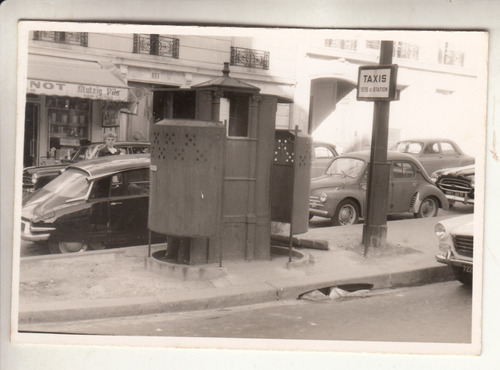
x,y
32,114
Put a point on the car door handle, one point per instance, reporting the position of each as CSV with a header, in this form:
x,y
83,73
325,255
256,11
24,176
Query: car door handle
x,y
115,203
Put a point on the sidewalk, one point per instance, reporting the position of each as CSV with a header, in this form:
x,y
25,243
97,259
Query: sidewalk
x,y
116,282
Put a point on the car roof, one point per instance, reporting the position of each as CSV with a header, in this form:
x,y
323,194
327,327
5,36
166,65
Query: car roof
x,y
425,140
325,143
108,165
391,156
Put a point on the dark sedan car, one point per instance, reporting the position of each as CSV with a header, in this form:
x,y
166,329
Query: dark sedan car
x,y
91,205
340,194
435,154
37,176
457,184
323,154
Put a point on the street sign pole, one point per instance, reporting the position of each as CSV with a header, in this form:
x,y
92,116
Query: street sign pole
x,y
375,227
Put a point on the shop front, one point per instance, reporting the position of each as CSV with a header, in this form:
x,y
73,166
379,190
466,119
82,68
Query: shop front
x,y
69,103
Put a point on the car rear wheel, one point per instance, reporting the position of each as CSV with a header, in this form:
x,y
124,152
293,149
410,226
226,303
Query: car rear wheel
x,y
462,276
73,247
428,208
347,213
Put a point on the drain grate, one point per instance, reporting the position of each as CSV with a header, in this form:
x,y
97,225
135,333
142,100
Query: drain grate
x,y
337,291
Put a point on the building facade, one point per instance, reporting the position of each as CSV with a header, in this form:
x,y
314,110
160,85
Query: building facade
x,y
82,85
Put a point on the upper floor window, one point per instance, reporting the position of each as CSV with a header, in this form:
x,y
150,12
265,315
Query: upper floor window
x,y
154,44
70,38
251,58
341,44
449,55
402,50
405,50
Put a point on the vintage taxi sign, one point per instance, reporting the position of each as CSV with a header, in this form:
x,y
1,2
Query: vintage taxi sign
x,y
377,82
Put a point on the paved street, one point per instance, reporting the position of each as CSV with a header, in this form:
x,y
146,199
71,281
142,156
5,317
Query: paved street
x,y
438,313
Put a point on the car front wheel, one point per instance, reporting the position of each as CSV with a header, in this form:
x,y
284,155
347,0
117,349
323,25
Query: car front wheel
x,y
428,208
73,247
347,213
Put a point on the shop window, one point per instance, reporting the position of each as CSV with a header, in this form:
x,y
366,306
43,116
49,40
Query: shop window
x,y
110,113
155,44
250,58
70,38
69,121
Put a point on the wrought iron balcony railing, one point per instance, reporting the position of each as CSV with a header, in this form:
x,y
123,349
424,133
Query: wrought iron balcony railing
x,y
70,38
249,58
156,45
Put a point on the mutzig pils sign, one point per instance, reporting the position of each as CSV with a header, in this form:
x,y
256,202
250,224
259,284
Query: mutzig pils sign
x,y
77,90
377,82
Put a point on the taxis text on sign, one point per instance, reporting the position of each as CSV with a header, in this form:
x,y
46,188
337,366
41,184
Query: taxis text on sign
x,y
377,83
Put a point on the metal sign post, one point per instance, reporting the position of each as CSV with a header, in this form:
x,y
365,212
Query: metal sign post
x,y
378,84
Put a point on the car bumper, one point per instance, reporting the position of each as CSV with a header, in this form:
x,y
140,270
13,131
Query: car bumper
x,y
450,260
456,198
34,234
318,212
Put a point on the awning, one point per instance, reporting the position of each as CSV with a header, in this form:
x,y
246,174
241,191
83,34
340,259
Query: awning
x,y
49,75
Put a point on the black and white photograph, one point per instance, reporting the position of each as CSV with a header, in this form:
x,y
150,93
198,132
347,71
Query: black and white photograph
x,y
256,189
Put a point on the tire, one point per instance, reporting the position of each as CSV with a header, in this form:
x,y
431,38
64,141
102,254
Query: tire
x,y
462,276
67,247
347,213
428,208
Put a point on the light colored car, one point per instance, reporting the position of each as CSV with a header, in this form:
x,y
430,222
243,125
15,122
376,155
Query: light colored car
x,y
434,154
456,242
323,154
340,194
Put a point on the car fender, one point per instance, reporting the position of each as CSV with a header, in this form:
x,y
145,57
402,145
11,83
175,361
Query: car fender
x,y
337,196
427,191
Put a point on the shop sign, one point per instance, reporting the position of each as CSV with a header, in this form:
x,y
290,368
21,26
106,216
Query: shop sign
x,y
377,82
77,90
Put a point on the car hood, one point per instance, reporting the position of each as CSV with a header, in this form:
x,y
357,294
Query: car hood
x,y
462,225
44,205
328,181
457,171
43,169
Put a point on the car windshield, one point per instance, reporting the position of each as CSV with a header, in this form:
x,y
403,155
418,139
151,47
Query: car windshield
x,y
411,147
346,167
85,152
68,185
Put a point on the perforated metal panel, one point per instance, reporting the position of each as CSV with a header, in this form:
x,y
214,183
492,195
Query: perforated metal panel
x,y
291,179
186,177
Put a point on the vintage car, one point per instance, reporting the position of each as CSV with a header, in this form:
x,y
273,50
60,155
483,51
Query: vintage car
x,y
340,194
456,183
456,242
36,177
92,205
435,154
323,153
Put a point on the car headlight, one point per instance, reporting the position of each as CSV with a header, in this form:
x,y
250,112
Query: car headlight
x,y
34,178
440,231
323,197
